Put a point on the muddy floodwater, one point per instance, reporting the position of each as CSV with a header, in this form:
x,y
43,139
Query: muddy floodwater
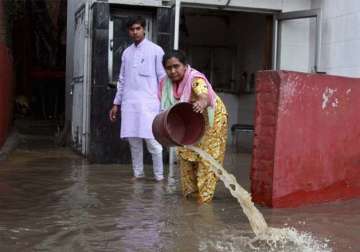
x,y
53,200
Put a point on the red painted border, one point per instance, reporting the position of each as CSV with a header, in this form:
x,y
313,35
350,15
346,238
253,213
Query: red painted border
x,y
6,73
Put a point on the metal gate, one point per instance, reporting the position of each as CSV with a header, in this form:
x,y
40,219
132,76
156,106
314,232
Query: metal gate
x,y
80,106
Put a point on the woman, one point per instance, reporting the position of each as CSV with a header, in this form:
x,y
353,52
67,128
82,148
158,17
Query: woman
x,y
185,84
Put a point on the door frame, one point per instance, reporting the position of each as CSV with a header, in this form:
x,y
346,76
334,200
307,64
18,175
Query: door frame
x,y
292,15
178,5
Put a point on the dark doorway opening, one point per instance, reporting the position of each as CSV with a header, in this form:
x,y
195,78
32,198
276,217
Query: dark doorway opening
x,y
229,47
39,50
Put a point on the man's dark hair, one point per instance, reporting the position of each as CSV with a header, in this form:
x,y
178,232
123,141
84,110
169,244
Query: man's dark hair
x,y
136,20
180,55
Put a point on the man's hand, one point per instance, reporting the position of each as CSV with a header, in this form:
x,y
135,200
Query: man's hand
x,y
113,113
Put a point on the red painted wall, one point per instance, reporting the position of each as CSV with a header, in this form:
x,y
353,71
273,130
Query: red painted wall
x,y
5,91
307,139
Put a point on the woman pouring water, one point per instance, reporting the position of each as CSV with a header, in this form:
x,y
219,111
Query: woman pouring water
x,y
185,84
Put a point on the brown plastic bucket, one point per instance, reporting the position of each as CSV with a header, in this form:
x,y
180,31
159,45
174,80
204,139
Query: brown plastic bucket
x,y
178,126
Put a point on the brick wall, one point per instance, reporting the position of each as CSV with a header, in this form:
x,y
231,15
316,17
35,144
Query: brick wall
x,y
264,140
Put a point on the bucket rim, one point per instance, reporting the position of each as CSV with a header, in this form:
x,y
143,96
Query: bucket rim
x,y
166,125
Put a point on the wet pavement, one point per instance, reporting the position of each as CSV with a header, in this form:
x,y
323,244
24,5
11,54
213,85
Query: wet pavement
x,y
51,199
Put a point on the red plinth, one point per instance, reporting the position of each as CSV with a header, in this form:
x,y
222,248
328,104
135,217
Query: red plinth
x,y
307,139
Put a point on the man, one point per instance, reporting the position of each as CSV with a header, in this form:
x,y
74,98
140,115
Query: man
x,y
137,97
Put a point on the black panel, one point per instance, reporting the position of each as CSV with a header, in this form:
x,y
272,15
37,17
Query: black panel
x,y
105,143
165,28
101,16
165,41
120,43
100,57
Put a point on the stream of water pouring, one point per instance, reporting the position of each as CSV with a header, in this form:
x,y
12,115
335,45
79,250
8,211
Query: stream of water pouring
x,y
275,237
256,219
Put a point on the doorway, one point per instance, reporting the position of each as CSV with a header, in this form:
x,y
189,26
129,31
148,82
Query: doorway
x,y
39,46
229,47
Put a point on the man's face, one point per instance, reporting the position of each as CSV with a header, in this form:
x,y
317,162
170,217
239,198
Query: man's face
x,y
136,32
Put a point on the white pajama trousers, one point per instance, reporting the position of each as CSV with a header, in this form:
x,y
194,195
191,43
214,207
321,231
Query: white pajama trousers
x,y
136,148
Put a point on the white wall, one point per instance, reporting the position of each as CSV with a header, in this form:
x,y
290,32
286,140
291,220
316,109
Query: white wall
x,y
285,5
295,5
340,47
263,4
296,40
138,2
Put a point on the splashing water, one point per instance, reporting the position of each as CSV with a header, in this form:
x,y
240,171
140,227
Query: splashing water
x,y
275,238
256,219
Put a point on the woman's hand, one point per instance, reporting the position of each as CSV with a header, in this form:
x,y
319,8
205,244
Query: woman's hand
x,y
201,104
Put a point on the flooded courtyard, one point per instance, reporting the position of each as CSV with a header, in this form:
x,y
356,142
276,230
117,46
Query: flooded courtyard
x,y
51,199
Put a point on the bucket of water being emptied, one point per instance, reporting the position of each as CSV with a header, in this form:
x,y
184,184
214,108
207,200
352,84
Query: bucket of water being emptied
x,y
179,125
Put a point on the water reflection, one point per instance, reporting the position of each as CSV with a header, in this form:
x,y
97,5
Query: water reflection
x,y
56,201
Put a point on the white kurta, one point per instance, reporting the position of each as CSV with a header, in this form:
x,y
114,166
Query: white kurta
x,y
137,88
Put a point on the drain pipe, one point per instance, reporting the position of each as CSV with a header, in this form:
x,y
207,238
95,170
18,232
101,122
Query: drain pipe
x,y
227,4
172,150
177,24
